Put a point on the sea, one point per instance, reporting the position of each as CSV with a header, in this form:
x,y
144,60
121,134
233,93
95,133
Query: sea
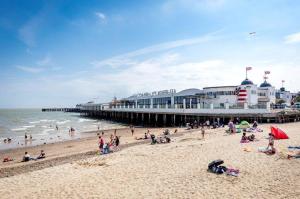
x,y
45,127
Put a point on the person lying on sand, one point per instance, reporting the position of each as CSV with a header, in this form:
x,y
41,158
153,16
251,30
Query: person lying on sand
x,y
295,155
7,159
143,138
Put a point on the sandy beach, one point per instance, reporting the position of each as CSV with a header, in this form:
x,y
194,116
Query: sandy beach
x,y
175,170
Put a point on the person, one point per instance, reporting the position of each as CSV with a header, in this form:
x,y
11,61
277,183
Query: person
x,y
255,124
101,143
42,155
26,136
271,145
208,124
153,140
102,133
30,137
146,136
132,130
175,131
231,126
244,138
202,131
251,137
26,157
56,127
111,139
117,141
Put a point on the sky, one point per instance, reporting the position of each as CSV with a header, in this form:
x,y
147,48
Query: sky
x,y
61,53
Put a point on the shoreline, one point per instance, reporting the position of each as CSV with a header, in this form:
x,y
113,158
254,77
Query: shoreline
x,y
70,150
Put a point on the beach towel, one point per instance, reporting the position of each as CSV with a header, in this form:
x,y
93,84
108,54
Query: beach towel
x,y
247,149
278,133
263,149
232,172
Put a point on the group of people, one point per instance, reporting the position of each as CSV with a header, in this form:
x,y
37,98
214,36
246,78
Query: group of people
x,y
164,138
106,147
215,124
27,157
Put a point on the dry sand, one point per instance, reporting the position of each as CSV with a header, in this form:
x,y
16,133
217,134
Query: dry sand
x,y
175,170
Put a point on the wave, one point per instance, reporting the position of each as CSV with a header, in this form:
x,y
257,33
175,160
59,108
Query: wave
x,y
19,129
35,122
30,126
63,122
46,131
45,120
85,120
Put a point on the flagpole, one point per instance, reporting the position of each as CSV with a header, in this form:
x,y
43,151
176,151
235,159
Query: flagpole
x,y
246,73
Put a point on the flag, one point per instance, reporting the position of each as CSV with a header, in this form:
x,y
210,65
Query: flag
x,y
267,72
283,81
249,68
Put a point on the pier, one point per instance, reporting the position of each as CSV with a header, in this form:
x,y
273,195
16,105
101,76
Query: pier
x,y
77,110
180,116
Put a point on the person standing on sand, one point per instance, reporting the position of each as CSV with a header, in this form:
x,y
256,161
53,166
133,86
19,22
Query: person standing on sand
x,y
132,130
271,144
56,127
26,136
208,124
101,144
117,142
202,131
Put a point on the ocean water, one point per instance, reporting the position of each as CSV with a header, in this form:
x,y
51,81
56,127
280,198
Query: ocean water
x,y
14,123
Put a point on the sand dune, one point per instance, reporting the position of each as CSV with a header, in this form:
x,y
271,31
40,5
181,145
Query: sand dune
x,y
175,170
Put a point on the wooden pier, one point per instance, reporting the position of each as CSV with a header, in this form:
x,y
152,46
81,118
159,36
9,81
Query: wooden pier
x,y
153,118
76,110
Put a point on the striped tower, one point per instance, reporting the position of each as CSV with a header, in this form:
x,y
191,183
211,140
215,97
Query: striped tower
x,y
242,95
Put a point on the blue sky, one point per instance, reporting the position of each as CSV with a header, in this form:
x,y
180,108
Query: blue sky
x,y
59,53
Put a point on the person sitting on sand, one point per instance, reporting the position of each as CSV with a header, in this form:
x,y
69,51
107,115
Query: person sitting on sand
x,y
244,138
153,140
255,125
42,155
26,157
111,140
251,137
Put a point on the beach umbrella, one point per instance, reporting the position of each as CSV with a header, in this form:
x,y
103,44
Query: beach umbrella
x,y
244,124
278,133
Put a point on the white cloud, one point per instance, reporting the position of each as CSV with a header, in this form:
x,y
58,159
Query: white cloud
x,y
192,5
292,38
124,59
30,69
101,17
45,61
